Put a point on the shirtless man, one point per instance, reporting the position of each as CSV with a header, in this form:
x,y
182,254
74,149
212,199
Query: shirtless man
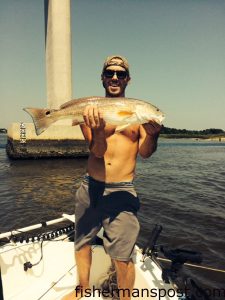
x,y
107,196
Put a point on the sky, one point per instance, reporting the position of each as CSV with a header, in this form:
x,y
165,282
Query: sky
x,y
175,48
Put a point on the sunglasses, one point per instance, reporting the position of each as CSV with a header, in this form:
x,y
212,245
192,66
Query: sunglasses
x,y
111,73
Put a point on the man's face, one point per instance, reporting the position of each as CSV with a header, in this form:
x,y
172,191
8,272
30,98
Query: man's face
x,y
115,80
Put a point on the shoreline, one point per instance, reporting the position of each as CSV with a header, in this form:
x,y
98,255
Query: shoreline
x,y
214,138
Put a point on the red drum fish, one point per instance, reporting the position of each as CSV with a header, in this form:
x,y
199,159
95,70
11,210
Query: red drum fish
x,y
119,111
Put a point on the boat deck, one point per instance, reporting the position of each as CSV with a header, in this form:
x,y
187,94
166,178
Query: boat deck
x,y
54,270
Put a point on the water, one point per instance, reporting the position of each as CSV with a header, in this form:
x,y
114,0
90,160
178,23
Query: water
x,y
182,187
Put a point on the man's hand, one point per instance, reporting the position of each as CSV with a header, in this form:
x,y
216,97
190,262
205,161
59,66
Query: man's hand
x,y
93,118
149,133
152,128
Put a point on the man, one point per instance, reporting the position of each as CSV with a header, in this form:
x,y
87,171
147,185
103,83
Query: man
x,y
107,196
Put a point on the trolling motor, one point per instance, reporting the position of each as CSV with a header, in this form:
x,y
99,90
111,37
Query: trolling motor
x,y
178,258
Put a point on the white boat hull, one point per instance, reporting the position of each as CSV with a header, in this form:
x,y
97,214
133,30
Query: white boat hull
x,y
55,275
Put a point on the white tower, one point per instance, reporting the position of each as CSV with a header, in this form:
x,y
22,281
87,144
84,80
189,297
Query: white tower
x,y
58,52
61,139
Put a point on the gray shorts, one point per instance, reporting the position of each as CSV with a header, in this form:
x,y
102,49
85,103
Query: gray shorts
x,y
112,206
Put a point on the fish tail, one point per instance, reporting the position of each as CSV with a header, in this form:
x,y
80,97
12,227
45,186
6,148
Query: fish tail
x,y
42,118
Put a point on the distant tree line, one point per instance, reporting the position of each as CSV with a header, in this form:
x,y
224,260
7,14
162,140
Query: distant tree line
x,y
167,130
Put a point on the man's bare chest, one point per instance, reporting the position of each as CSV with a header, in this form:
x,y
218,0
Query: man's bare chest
x,y
131,133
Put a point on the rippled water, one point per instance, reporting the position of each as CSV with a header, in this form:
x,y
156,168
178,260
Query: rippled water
x,y
182,187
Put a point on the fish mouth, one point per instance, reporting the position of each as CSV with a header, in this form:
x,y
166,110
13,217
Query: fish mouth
x,y
161,118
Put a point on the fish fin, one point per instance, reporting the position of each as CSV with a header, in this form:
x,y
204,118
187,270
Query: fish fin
x,y
121,127
125,113
42,118
79,100
68,103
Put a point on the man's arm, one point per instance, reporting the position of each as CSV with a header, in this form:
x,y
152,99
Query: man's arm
x,y
94,131
149,133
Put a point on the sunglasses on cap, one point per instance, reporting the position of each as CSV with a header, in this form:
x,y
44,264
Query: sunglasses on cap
x,y
111,73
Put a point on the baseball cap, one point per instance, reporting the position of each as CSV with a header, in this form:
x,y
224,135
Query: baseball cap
x,y
116,60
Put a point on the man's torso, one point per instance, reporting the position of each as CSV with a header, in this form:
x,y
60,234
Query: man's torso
x,y
118,163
